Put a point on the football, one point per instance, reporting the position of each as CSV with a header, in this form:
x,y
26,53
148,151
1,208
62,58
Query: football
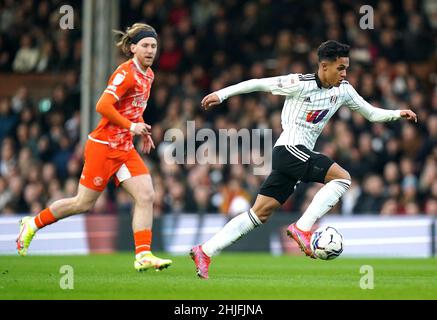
x,y
327,243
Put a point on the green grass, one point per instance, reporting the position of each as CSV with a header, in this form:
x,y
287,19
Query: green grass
x,y
232,276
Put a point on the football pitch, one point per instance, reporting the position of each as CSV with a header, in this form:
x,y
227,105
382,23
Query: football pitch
x,y
232,276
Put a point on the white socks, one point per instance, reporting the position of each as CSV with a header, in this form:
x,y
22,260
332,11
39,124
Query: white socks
x,y
231,232
323,201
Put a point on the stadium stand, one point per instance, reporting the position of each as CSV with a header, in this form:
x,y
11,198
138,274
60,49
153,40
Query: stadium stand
x,y
206,45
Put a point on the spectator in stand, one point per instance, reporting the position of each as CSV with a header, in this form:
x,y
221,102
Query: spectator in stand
x,y
392,68
390,207
372,197
431,207
26,58
8,118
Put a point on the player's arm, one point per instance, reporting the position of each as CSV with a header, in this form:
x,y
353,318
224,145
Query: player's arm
x,y
117,87
283,85
357,103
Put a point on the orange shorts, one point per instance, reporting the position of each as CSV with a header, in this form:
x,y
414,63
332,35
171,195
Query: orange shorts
x,y
103,162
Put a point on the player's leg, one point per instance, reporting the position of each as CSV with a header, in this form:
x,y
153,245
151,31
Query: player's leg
x,y
96,172
140,188
273,193
264,206
231,232
82,202
241,225
337,181
135,179
95,175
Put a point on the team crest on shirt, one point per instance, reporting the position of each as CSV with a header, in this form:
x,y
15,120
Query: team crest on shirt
x,y
333,99
98,181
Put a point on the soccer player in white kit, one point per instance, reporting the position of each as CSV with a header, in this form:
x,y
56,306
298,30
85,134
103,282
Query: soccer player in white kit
x,y
311,100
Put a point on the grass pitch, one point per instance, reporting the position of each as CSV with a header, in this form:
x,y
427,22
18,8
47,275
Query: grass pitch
x,y
232,276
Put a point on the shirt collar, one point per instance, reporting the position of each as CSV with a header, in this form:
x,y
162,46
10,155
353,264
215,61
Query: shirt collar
x,y
319,82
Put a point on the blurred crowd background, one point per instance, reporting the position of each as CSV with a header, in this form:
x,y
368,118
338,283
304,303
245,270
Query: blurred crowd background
x,y
204,46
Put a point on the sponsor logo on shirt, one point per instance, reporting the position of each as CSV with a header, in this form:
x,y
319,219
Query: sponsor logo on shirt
x,y
316,116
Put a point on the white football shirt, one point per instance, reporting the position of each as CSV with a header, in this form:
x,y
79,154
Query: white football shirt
x,y
308,106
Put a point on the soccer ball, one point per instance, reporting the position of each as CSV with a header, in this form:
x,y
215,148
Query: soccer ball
x,y
327,243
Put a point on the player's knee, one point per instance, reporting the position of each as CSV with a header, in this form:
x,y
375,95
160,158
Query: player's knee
x,y
263,213
341,174
81,205
146,197
345,176
348,177
264,216
84,206
264,207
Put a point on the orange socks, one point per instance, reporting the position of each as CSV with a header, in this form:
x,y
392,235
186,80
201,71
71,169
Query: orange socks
x,y
44,218
143,240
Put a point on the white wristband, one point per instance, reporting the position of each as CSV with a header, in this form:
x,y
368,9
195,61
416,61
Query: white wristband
x,y
132,127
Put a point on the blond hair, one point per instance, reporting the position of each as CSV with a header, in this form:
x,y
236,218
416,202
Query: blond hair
x,y
126,37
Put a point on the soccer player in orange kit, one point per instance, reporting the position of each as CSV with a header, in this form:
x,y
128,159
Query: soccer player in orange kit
x,y
110,152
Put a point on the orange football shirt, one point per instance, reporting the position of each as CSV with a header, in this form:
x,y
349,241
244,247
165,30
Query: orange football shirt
x,y
128,90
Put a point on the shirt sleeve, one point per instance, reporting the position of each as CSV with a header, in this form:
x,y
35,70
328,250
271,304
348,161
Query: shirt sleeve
x,y
105,106
286,85
281,85
119,83
356,103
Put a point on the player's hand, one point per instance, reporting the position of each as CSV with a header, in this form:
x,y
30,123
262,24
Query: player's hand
x,y
142,129
409,115
148,144
210,100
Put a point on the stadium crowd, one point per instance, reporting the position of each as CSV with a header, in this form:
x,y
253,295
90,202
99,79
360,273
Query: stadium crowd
x,y
204,46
